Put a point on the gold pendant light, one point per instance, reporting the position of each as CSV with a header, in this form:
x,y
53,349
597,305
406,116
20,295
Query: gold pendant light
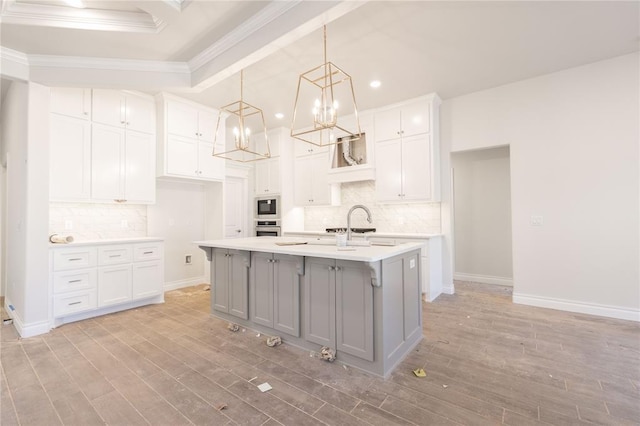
x,y
249,141
325,111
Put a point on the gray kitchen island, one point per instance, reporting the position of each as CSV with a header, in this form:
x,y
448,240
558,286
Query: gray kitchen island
x,y
361,301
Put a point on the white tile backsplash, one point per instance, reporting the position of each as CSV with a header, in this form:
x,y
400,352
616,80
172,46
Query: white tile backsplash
x,y
98,221
405,217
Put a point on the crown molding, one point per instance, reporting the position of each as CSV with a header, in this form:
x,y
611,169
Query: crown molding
x,y
15,56
87,19
266,15
50,61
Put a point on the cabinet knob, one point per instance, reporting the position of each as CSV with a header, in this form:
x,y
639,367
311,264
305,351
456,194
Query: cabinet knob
x,y
238,230
332,268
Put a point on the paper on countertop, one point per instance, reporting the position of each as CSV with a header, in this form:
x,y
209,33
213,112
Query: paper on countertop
x,y
265,387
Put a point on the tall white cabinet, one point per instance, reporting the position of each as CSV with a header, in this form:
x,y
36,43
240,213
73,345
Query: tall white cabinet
x,y
407,157
102,146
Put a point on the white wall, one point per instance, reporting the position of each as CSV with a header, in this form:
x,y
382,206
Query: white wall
x,y
25,132
574,146
179,217
482,200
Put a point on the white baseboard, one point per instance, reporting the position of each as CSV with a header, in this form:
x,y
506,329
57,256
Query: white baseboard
x,y
484,279
174,285
26,330
580,307
448,289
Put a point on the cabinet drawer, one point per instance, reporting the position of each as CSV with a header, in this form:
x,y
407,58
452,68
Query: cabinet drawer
x,y
147,251
113,255
71,303
74,258
82,279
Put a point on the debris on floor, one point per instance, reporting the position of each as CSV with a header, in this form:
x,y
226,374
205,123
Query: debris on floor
x,y
445,386
273,341
446,342
233,327
265,387
253,379
221,406
327,354
207,288
258,335
419,372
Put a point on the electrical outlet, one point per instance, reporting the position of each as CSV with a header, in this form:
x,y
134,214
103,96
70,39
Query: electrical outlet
x,y
187,259
536,220
68,224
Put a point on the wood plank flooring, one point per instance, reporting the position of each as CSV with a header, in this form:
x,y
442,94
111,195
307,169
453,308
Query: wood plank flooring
x,y
487,361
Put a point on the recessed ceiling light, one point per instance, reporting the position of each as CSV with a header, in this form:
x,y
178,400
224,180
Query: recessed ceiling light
x,y
75,3
375,84
279,115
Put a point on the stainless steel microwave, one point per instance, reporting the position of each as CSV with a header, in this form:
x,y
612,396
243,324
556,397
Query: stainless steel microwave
x,y
267,207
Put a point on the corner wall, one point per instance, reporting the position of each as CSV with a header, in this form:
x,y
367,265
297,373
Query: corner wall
x,y
574,140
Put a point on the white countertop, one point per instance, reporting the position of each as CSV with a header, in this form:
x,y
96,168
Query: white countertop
x,y
371,253
107,241
369,235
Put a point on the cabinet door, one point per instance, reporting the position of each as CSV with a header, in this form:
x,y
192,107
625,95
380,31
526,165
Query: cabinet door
x,y
274,175
389,171
387,125
286,293
209,167
114,284
262,280
415,118
70,159
354,310
303,182
239,283
319,301
140,114
261,171
320,189
108,107
207,121
416,168
412,296
147,279
220,287
71,102
107,162
182,119
182,156
139,168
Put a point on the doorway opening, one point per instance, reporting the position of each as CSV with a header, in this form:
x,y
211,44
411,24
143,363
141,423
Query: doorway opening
x,y
482,239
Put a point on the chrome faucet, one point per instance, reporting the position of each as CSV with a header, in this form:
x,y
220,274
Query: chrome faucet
x,y
357,206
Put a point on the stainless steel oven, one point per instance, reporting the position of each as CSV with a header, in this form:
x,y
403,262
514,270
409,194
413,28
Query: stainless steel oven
x,y
267,208
267,228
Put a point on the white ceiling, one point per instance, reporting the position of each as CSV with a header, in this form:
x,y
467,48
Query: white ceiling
x,y
414,47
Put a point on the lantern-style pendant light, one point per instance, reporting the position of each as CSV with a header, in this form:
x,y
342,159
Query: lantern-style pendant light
x,y
248,141
325,110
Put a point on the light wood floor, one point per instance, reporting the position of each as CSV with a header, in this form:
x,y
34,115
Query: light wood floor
x,y
487,361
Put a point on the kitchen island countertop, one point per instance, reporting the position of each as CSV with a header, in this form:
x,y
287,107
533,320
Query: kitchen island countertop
x,y
306,247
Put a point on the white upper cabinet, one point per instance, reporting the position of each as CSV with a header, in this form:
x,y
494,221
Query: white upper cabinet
x,y
407,151
71,102
102,146
69,159
122,166
267,173
190,121
186,133
407,120
311,186
123,109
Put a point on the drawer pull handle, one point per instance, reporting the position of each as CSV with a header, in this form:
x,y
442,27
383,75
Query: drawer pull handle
x,y
115,255
74,259
74,281
148,252
75,303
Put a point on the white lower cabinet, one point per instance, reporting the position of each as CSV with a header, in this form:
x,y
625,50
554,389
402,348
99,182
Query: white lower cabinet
x,y
97,279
